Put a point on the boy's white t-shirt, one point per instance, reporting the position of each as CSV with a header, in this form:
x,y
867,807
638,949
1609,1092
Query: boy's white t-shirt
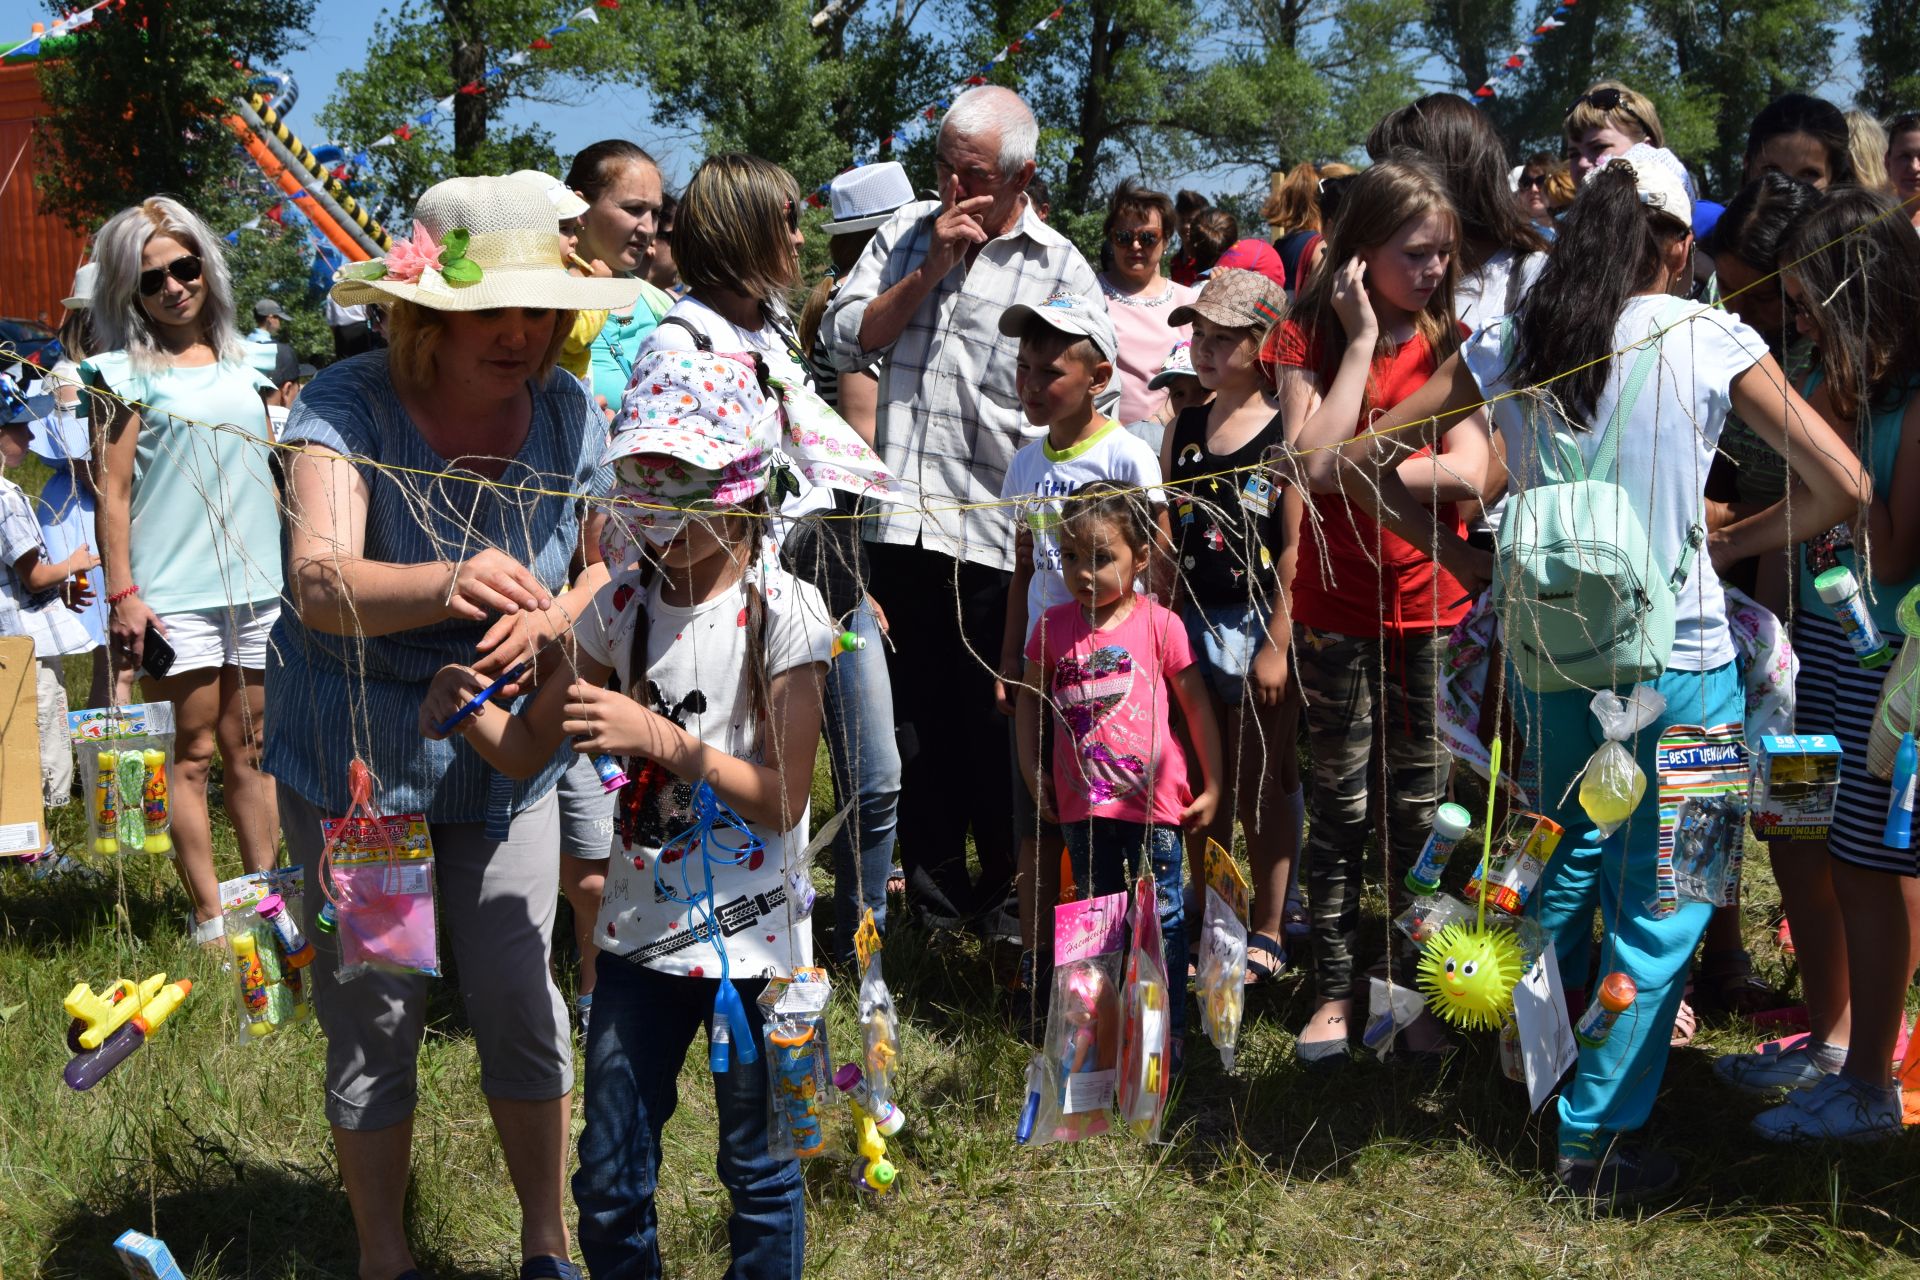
x,y
1038,478
696,676
1666,447
55,629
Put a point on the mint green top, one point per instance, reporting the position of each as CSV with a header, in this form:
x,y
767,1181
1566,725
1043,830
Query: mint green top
x,y
205,524
1878,451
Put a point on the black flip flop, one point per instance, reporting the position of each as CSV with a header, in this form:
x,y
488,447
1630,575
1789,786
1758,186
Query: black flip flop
x,y
1259,971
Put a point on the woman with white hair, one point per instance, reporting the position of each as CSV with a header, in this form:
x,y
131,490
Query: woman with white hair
x,y
188,524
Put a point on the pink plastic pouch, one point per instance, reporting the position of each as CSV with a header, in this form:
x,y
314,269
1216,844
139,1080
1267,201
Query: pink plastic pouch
x,y
377,874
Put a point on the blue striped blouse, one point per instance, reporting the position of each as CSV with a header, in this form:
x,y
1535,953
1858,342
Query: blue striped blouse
x,y
330,697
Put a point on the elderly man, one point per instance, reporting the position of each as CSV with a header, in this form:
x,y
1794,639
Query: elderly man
x,y
925,299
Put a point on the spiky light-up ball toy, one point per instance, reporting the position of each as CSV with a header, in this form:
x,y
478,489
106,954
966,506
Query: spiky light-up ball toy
x,y
1468,974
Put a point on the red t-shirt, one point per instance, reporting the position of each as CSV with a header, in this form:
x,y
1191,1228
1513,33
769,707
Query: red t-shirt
x,y
1367,581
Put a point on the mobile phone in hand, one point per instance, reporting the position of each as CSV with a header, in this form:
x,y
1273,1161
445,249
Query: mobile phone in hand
x,y
156,655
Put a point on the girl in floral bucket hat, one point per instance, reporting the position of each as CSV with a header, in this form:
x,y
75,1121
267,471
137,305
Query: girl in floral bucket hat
x,y
719,660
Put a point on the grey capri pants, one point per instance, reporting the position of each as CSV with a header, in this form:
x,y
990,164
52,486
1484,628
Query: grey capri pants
x,y
495,907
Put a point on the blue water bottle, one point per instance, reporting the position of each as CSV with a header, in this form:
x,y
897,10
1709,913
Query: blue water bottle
x,y
1898,833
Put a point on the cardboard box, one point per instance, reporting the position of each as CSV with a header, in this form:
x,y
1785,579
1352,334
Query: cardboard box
x,y
1796,778
23,816
146,1258
1519,857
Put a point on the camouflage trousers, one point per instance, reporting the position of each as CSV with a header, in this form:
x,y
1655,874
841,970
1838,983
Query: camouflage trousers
x,y
1362,691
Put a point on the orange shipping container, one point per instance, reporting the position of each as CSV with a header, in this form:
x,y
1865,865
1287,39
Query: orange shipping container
x,y
38,252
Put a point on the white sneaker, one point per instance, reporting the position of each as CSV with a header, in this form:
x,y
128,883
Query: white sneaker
x,y
1771,1069
1837,1109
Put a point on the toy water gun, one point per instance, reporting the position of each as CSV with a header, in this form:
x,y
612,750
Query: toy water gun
x,y
872,1172
98,1015
105,812
88,1069
154,803
848,642
796,1096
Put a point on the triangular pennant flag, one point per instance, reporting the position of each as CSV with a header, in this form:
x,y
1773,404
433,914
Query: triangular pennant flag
x,y
586,15
519,58
444,105
541,43
1484,91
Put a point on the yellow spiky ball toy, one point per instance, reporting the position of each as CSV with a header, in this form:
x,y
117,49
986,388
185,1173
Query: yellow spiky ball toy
x,y
1468,974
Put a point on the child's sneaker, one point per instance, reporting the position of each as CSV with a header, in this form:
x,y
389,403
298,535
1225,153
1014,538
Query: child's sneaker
x,y
1629,1175
1772,1069
1836,1109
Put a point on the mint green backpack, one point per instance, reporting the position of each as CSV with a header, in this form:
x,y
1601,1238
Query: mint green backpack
x,y
1584,601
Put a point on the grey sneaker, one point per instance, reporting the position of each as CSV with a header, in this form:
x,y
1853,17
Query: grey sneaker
x,y
1836,1109
1773,1069
1629,1175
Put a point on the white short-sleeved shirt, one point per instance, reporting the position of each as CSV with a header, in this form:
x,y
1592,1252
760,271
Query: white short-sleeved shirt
x,y
1666,447
1038,478
55,628
1496,288
696,676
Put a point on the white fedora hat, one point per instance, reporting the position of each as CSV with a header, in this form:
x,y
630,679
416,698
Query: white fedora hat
x,y
864,198
477,244
82,295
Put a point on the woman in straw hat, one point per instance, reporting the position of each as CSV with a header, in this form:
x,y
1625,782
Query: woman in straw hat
x,y
433,508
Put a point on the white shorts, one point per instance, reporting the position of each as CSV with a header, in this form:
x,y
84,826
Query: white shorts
x,y
232,637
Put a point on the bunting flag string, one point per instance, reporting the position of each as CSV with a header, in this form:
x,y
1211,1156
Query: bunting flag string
x,y
1518,58
443,108
933,110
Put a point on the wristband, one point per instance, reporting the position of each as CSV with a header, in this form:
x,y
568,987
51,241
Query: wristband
x,y
118,596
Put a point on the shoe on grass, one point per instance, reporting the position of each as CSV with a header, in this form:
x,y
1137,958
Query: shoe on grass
x,y
1836,1109
1629,1175
1769,1070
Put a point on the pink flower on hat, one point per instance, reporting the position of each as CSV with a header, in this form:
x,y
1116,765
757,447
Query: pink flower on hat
x,y
409,259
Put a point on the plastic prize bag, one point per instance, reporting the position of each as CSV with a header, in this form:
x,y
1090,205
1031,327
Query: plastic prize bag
x,y
1391,1008
1708,834
125,756
798,1064
1612,784
1223,975
1081,1052
879,1025
271,990
1146,1028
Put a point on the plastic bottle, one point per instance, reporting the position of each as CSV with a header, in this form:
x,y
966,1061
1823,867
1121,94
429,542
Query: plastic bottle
x,y
1450,822
155,803
1614,998
1898,833
106,818
612,776
253,982
1841,590
327,919
887,1118
293,944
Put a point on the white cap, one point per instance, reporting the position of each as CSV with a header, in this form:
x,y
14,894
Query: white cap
x,y
1659,177
82,295
864,198
566,203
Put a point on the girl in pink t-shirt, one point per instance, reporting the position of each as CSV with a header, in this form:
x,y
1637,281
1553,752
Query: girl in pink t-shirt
x,y
1106,664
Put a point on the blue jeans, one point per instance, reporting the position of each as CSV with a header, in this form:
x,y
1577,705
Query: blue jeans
x,y
643,1023
866,768
1613,1087
1106,857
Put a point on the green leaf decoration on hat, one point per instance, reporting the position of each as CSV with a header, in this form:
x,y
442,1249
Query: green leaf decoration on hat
x,y
783,483
456,268
372,269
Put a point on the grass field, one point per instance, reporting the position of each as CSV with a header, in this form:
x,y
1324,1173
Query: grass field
x,y
221,1148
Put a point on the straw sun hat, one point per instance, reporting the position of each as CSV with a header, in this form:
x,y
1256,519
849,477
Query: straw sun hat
x,y
477,244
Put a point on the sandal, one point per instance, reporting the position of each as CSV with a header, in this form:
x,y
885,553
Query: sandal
x,y
1259,971
1295,922
1685,1023
896,882
1726,983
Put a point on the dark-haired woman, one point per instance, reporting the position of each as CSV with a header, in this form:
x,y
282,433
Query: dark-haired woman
x,y
1138,228
1903,162
1853,279
1803,137
621,184
1624,249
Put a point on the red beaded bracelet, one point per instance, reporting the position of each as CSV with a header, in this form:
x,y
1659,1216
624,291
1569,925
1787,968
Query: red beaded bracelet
x,y
118,596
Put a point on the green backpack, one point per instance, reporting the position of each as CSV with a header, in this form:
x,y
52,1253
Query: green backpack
x,y
1583,600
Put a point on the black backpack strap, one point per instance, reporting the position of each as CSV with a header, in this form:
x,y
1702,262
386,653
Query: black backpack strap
x,y
701,342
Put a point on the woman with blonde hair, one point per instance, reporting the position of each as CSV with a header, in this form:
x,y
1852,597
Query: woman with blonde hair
x,y
1294,216
188,526
1606,121
433,502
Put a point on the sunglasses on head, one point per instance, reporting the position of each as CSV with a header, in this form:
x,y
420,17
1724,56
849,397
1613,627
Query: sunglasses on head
x,y
186,270
1127,239
1610,100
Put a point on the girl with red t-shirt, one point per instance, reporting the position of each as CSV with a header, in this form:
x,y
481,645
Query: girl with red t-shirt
x,y
1371,609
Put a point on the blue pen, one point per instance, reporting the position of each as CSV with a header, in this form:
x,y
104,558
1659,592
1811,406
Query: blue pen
x,y
481,699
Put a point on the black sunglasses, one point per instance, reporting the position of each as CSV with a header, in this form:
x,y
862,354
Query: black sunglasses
x,y
1612,100
1533,181
1145,239
186,270
793,215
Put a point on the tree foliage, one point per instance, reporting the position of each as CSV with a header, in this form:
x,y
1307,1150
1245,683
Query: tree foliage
x,y
137,99
1890,57
432,49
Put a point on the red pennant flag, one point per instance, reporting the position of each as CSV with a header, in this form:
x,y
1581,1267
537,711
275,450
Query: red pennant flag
x,y
609,4
976,79
930,113
1014,47
471,89
541,43
1515,60
1055,14
404,133
1484,91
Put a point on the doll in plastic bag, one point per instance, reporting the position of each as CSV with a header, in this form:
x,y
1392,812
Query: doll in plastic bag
x,y
1612,784
1223,975
1071,1093
1146,1029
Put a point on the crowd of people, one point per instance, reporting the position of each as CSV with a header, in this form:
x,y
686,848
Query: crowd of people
x,y
1105,558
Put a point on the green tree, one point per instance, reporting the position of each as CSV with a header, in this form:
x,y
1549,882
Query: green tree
x,y
270,260
1890,57
433,50
138,97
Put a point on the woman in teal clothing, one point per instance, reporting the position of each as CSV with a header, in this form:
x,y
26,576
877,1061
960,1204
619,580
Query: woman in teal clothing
x,y
188,523
621,184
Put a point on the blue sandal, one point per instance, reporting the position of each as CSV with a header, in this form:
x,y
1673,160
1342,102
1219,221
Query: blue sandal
x,y
549,1268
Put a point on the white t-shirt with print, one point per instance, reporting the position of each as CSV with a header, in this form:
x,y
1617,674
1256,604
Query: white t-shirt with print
x,y
696,676
1038,478
1666,447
